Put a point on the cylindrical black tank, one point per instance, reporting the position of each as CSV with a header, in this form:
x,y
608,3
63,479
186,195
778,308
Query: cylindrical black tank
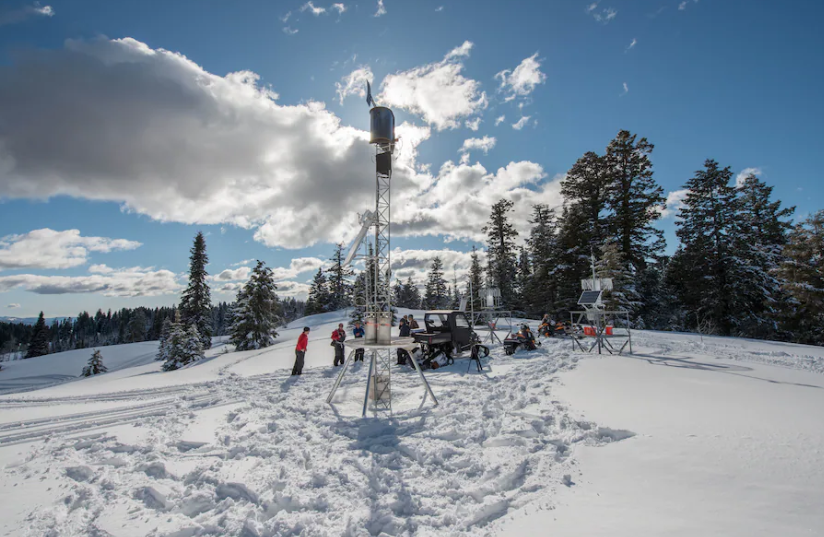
x,y
382,125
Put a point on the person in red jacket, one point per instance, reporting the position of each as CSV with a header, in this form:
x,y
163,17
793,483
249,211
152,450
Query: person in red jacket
x,y
338,337
300,351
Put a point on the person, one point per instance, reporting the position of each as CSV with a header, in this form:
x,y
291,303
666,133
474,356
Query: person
x,y
300,351
547,326
413,324
338,337
358,332
404,327
526,337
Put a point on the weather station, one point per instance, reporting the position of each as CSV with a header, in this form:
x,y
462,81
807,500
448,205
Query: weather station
x,y
372,245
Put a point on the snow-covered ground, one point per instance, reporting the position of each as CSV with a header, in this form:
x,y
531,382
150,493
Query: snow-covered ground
x,y
690,436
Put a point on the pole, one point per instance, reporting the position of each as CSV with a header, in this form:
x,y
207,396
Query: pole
x,y
368,383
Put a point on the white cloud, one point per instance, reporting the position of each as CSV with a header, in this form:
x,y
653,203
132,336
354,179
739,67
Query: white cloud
x,y
522,81
631,45
288,30
243,263
473,124
604,15
340,8
416,263
521,123
354,83
13,16
381,9
675,201
285,18
439,8
437,91
229,275
499,120
49,249
316,11
746,172
683,5
208,149
13,305
626,89
118,282
480,144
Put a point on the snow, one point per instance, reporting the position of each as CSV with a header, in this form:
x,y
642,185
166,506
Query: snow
x,y
690,436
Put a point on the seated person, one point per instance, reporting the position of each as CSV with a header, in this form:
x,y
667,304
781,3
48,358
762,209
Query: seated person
x,y
527,338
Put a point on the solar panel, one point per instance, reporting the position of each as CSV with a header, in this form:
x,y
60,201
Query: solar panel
x,y
589,298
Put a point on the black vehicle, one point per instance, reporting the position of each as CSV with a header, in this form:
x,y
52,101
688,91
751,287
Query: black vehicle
x,y
447,332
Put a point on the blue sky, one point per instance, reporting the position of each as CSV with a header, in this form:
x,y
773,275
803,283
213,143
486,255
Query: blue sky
x,y
108,130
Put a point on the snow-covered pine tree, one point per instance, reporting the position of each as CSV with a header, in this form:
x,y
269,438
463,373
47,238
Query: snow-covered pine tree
x,y
476,279
256,312
763,229
318,300
542,245
411,294
95,365
501,252
456,292
196,302
802,272
707,271
137,326
586,189
657,311
358,311
573,258
163,344
397,294
623,296
435,296
184,346
39,344
522,279
340,290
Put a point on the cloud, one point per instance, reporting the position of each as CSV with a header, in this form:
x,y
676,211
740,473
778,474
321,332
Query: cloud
x,y
626,89
14,16
499,120
746,172
243,263
316,11
288,30
296,267
354,83
285,18
118,282
381,9
439,9
604,15
522,81
473,124
481,144
149,129
675,201
340,8
416,263
631,45
49,249
521,123
228,275
13,305
436,91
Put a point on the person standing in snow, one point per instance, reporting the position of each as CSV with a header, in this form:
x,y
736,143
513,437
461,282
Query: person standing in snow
x,y
358,332
300,351
413,324
404,327
338,337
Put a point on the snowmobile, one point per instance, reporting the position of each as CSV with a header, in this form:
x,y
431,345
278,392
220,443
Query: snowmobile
x,y
524,339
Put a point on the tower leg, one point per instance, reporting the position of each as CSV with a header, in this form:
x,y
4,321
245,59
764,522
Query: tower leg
x,y
340,377
368,382
423,379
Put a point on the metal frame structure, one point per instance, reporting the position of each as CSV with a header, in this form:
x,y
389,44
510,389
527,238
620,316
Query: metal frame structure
x,y
601,340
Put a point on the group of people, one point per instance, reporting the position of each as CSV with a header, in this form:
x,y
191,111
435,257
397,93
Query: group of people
x,y
406,325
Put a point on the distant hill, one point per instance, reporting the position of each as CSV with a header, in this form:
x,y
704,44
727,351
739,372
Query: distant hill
x,y
30,320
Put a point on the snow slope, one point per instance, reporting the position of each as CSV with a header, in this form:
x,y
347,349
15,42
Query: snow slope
x,y
691,436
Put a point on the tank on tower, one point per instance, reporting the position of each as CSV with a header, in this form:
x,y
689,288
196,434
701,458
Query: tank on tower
x,y
383,125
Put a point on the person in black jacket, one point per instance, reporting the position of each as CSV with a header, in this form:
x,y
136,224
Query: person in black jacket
x,y
358,332
404,327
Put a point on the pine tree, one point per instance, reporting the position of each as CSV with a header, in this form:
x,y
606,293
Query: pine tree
x,y
476,280
634,198
318,300
358,312
623,296
196,302
802,272
706,271
436,296
163,344
586,188
573,258
95,366
340,290
39,344
456,293
543,252
763,227
137,326
501,253
411,294
256,313
522,278
184,346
